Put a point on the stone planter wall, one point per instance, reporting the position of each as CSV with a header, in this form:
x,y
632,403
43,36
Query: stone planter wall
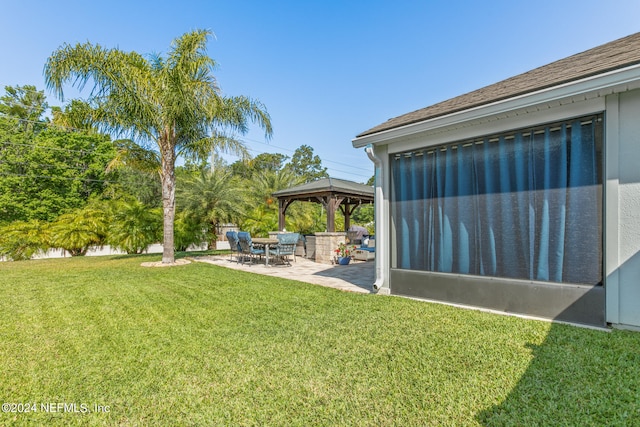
x,y
326,244
320,246
311,247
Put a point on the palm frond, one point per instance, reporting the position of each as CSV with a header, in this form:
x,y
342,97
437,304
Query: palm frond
x,y
128,153
235,113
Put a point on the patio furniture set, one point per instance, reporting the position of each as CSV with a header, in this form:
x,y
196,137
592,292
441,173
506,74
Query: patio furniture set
x,y
247,249
365,245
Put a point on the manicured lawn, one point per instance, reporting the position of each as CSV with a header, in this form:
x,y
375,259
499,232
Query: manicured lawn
x,y
203,345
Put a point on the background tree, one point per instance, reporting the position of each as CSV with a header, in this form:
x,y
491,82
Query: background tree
x,y
135,171
13,144
170,101
75,116
54,172
133,226
21,240
25,103
307,165
126,182
210,199
262,215
189,231
262,162
259,221
77,231
363,215
45,171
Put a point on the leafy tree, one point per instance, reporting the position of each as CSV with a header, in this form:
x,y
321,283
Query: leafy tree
x,y
172,102
267,182
130,154
75,116
25,103
262,162
307,165
54,172
12,147
303,218
44,171
21,240
263,207
135,171
363,215
133,226
260,220
126,182
77,231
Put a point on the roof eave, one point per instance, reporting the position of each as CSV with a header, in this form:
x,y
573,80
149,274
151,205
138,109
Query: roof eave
x,y
619,80
311,193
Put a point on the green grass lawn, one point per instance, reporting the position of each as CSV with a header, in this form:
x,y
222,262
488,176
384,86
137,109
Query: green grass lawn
x,y
203,345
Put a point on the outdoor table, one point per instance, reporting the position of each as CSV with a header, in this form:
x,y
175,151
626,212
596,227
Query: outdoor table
x,y
266,241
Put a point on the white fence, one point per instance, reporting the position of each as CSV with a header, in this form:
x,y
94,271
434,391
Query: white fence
x,y
156,248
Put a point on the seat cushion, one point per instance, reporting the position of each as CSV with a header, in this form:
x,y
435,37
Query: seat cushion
x,y
364,254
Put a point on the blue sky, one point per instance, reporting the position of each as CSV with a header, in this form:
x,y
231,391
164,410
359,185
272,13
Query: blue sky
x,y
326,70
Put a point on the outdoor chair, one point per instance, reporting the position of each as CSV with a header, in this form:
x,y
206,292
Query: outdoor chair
x,y
356,234
234,244
367,251
247,249
286,247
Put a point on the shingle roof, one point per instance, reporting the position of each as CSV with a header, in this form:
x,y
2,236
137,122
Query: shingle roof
x,y
324,185
617,54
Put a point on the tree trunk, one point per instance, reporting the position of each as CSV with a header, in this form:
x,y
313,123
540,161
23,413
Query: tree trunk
x,y
168,202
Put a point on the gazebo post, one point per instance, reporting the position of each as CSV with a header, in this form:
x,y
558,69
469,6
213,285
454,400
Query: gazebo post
x,y
347,209
283,205
281,209
331,214
332,206
347,218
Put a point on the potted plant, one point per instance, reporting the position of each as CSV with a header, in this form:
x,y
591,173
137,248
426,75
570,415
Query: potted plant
x,y
343,253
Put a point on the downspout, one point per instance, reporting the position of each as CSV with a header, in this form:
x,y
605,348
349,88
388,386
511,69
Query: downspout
x,y
379,221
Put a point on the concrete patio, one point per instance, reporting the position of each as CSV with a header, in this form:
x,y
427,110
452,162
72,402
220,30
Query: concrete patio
x,y
355,277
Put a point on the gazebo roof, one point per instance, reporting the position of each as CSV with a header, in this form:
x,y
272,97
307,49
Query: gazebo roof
x,y
338,187
332,193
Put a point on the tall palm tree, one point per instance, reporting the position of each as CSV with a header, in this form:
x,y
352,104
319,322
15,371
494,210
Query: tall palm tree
x,y
211,198
263,215
170,101
266,182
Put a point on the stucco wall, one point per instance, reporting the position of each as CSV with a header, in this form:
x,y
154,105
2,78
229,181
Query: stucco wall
x,y
629,208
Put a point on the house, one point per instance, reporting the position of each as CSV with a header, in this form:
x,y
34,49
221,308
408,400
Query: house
x,y
522,196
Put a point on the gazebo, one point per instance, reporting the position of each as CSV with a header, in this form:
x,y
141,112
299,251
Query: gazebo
x,y
332,193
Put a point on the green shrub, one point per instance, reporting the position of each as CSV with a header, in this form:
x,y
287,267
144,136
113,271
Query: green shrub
x,y
21,240
134,226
